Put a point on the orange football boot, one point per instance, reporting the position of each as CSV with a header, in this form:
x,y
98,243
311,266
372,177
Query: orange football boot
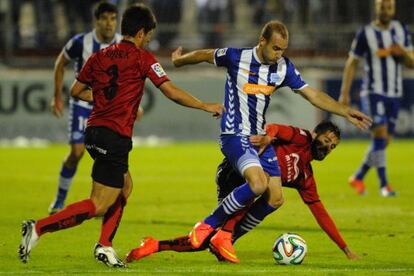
x,y
222,247
148,246
199,233
358,185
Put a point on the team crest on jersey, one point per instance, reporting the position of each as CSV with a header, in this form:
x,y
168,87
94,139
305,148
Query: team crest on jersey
x,y
157,68
221,52
274,78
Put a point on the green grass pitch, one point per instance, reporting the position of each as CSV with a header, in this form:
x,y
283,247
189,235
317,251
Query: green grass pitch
x,y
174,188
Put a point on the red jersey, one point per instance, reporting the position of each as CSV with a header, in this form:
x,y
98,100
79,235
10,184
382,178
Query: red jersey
x,y
293,150
117,76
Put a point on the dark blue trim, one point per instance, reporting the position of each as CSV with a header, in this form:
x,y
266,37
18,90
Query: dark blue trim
x,y
383,60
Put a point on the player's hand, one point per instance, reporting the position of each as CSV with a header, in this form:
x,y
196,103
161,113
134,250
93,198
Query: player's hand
x,y
176,55
358,119
396,50
140,113
56,106
215,108
350,255
261,141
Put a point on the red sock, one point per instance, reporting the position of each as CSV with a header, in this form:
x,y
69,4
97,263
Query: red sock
x,y
72,215
180,244
231,223
111,221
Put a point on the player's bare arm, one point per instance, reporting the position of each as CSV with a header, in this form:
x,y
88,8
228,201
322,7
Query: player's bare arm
x,y
140,113
81,91
325,102
261,141
181,97
179,59
56,104
347,78
407,55
327,224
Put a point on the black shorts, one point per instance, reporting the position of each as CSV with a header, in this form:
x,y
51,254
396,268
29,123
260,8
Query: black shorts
x,y
109,151
227,179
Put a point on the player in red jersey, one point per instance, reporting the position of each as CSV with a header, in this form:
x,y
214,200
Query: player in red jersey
x,y
113,79
295,149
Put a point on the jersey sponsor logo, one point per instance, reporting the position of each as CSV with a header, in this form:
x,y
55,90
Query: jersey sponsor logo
x,y
249,72
157,68
254,89
221,52
292,161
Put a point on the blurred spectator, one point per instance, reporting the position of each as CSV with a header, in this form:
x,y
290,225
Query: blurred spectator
x,y
168,14
33,23
212,15
78,12
45,22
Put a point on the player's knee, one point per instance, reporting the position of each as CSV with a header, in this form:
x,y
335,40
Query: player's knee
x,y
276,202
102,204
100,208
258,183
127,189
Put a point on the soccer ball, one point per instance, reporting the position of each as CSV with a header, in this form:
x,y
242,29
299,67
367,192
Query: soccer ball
x,y
289,248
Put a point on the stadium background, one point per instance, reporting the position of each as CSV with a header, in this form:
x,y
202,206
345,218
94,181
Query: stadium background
x,y
34,31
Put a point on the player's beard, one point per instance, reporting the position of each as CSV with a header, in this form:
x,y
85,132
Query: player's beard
x,y
318,150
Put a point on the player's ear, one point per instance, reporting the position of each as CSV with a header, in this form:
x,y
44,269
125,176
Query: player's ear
x,y
140,34
262,41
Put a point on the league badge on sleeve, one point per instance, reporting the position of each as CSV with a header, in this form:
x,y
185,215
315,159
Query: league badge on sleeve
x,y
221,52
157,68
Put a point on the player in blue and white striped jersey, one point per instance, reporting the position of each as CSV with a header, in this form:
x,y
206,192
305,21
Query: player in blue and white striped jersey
x,y
386,46
79,49
253,75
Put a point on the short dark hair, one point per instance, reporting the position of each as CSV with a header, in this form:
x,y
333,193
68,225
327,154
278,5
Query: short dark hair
x,y
103,7
325,126
274,26
137,17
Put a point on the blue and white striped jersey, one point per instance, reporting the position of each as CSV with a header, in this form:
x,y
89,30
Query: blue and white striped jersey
x,y
82,46
383,72
249,86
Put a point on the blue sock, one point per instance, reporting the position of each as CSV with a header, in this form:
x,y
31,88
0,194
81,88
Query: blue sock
x,y
382,177
235,201
256,214
66,172
362,171
60,198
366,164
65,181
379,148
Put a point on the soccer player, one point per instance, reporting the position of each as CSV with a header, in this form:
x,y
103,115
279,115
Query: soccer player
x,y
253,75
295,149
79,49
385,45
114,79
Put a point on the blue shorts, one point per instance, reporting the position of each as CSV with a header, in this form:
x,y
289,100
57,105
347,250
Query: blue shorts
x,y
79,112
242,155
383,110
